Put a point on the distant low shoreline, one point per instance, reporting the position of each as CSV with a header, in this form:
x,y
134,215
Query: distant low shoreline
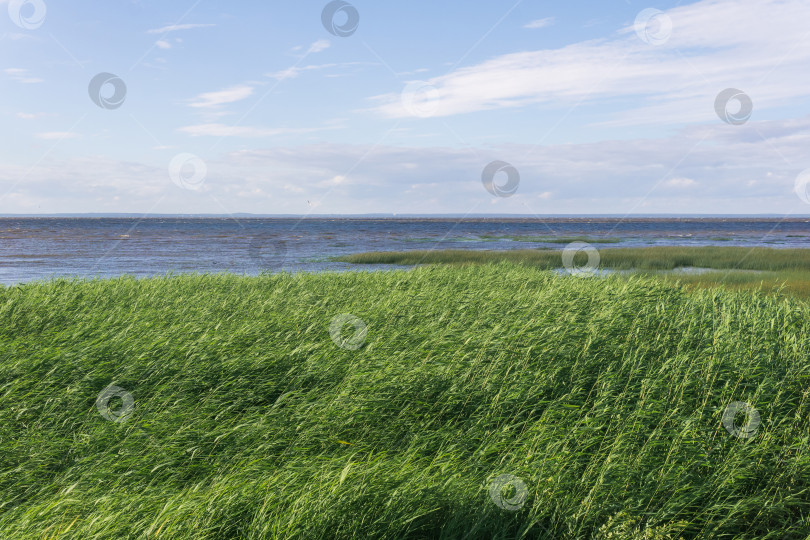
x,y
521,218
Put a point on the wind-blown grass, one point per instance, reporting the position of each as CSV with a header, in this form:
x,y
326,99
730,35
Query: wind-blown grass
x,y
604,396
785,270
788,282
644,258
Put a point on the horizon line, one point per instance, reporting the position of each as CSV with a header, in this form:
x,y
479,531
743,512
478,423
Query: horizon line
x,y
389,215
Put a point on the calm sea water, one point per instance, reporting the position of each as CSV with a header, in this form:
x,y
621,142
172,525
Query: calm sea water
x,y
37,248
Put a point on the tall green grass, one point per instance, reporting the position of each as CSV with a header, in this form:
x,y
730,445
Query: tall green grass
x,y
785,282
775,270
603,396
644,258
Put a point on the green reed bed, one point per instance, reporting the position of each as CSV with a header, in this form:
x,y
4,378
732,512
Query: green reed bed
x,y
603,398
750,269
786,282
642,258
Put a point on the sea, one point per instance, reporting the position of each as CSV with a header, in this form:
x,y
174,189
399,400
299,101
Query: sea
x,y
37,248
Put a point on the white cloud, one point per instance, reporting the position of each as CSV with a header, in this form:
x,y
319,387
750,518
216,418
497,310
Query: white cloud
x,y
338,179
293,72
315,47
318,46
30,116
21,76
754,45
758,46
221,97
175,27
679,182
694,170
708,169
57,135
163,44
540,23
223,130
15,36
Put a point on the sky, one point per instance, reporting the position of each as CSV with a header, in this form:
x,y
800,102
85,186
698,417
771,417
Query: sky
x,y
316,107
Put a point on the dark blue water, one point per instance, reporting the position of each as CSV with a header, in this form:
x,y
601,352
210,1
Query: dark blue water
x,y
37,248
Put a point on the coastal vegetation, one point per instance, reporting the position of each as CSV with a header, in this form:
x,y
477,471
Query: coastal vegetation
x,y
473,401
739,268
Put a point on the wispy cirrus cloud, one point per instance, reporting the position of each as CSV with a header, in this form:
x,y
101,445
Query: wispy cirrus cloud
x,y
15,36
224,130
222,97
318,46
540,23
293,72
315,47
21,76
755,45
57,135
176,27
30,116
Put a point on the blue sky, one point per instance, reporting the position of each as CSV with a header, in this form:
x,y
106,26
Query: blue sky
x,y
602,107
